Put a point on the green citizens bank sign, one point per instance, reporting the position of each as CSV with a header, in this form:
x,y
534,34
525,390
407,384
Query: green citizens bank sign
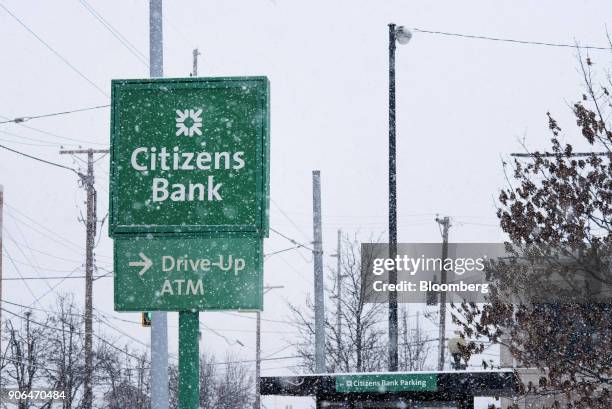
x,y
387,383
190,156
176,273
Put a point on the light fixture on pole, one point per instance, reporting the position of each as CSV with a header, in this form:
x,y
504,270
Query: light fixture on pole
x,y
402,36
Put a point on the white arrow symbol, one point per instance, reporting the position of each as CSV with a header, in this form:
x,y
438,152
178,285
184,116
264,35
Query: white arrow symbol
x,y
146,263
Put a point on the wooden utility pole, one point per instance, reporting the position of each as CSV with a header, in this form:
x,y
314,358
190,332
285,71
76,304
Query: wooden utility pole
x,y
445,222
91,222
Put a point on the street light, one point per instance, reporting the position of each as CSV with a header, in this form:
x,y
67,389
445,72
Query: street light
x,y
402,36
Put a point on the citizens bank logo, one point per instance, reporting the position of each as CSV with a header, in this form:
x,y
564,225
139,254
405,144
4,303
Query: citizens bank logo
x,y
188,122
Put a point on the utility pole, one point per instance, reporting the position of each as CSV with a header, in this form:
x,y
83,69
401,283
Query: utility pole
x,y
257,404
91,222
445,223
159,319
194,73
339,292
318,273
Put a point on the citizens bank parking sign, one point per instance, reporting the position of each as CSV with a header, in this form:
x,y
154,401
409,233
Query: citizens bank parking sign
x,y
190,157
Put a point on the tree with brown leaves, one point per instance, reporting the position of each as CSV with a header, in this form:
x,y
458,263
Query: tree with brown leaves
x,y
560,204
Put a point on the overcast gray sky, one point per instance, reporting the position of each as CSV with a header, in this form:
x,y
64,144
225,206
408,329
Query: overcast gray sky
x,y
461,104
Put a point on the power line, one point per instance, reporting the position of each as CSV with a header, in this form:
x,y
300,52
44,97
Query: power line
x,y
35,267
39,159
20,142
43,252
50,277
281,251
39,309
297,243
21,119
289,218
75,332
61,57
510,40
254,318
50,233
120,37
80,141
52,289
206,328
21,275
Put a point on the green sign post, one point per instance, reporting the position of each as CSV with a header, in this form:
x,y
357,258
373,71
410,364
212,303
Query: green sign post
x,y
189,200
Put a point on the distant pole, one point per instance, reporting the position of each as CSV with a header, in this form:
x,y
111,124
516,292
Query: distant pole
x,y
91,223
257,404
339,292
194,73
393,332
159,323
445,222
318,274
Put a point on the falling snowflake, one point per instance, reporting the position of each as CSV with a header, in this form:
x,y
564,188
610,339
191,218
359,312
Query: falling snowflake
x,y
188,122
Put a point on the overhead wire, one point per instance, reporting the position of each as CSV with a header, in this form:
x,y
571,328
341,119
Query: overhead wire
x,y
103,340
21,138
52,289
297,243
50,277
511,40
39,159
57,54
36,267
45,232
42,131
116,33
290,219
21,119
8,255
65,242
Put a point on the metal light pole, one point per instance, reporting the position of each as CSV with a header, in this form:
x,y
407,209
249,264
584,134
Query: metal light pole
x,y
402,36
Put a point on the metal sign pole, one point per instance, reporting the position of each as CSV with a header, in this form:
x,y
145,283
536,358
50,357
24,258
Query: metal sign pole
x,y
159,321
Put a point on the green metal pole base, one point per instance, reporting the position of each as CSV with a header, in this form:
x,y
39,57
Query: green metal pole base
x,y
189,360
